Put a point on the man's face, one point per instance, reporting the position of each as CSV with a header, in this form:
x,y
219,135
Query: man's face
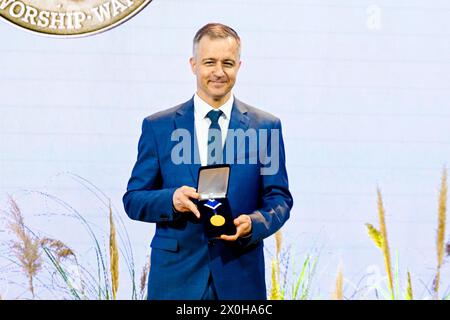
x,y
216,64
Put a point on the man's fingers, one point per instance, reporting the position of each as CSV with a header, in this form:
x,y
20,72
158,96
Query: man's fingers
x,y
187,205
241,222
188,188
191,193
238,222
229,238
243,228
233,237
193,208
182,202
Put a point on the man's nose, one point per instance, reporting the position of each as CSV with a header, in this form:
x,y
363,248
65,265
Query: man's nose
x,y
218,71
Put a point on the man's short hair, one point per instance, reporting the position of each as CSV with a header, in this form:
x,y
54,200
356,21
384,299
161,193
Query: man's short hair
x,y
216,31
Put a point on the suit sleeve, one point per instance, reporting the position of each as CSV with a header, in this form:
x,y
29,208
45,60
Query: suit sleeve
x,y
144,199
276,199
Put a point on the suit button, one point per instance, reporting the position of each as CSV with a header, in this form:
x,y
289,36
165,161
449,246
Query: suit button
x,y
211,243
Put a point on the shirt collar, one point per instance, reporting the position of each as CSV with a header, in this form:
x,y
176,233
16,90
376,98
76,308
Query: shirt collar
x,y
202,108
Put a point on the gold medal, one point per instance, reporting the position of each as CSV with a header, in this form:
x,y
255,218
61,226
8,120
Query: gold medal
x,y
217,220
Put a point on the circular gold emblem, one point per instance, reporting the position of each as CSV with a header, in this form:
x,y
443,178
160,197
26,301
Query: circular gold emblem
x,y
217,220
69,18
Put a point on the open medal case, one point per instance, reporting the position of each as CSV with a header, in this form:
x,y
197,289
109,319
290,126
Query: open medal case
x,y
213,203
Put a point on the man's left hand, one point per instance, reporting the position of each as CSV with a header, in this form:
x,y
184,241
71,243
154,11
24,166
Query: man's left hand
x,y
243,225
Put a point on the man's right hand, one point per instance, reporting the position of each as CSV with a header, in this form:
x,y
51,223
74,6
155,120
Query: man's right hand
x,y
182,202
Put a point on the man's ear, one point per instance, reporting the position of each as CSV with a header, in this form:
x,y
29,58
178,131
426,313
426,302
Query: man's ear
x,y
193,64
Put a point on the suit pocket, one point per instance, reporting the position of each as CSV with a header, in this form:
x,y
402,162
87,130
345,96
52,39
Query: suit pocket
x,y
162,243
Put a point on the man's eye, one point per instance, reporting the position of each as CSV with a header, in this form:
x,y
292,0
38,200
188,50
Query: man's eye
x,y
209,63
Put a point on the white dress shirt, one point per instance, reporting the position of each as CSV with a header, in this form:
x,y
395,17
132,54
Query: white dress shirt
x,y
202,123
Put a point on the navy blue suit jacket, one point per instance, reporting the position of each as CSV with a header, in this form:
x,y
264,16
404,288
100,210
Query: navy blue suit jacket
x,y
181,256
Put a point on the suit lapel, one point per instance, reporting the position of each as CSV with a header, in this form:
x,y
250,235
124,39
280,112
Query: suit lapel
x,y
184,119
239,120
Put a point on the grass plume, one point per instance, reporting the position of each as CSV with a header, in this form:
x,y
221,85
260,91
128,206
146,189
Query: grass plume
x,y
385,246
375,235
338,293
381,240
275,292
144,276
409,291
25,247
440,241
59,248
114,255
278,242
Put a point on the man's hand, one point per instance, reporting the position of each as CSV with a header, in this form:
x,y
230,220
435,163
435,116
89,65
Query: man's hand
x,y
243,225
182,202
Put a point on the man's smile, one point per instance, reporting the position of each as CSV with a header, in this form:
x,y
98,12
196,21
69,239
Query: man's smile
x,y
217,83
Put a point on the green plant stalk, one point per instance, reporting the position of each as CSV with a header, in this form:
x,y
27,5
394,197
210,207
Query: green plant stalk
x,y
283,289
311,272
127,253
396,275
93,237
301,278
61,272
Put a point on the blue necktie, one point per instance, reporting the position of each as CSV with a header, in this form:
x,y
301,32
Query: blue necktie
x,y
214,138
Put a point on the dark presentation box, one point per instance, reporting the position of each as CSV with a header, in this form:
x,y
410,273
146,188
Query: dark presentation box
x,y
213,203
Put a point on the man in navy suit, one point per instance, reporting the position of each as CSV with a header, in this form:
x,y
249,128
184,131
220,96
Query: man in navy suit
x,y
185,264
